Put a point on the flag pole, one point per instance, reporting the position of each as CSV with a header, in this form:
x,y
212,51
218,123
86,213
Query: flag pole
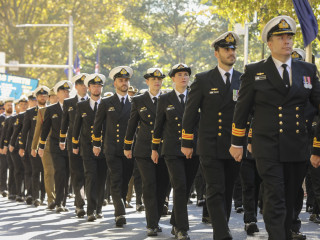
x,y
309,48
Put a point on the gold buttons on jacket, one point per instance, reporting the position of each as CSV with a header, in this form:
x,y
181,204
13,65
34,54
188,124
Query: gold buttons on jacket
x,y
149,115
151,131
219,134
176,118
117,135
280,130
118,125
280,108
219,113
118,140
220,127
220,120
297,131
280,115
117,130
179,138
297,123
297,108
179,131
297,115
280,122
179,124
151,123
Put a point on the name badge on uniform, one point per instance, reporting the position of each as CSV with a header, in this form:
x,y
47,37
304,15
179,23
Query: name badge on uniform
x,y
143,109
260,76
170,107
55,115
111,109
307,82
214,91
235,95
84,115
70,109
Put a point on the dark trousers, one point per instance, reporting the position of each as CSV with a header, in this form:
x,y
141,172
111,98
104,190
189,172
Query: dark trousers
x,y
237,193
315,178
251,181
3,172
11,179
182,172
155,181
220,176
18,172
37,178
61,176
77,178
309,188
200,184
95,171
137,182
107,194
281,183
120,173
27,173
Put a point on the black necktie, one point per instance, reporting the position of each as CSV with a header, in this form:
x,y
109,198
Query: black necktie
x,y
228,83
122,102
82,99
182,100
155,101
285,75
95,107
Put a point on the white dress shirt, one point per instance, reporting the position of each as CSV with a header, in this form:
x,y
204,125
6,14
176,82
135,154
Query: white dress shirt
x,y
92,103
223,72
280,68
184,93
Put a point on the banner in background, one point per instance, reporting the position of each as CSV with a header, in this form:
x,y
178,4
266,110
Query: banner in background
x,y
15,86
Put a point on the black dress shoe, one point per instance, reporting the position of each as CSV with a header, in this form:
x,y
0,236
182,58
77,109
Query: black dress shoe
x,y
4,193
309,208
298,236
12,197
59,209
80,212
314,218
206,220
165,210
174,231
120,221
201,202
239,210
152,232
183,235
36,203
19,199
29,200
99,215
140,207
128,205
51,206
251,228
91,218
159,229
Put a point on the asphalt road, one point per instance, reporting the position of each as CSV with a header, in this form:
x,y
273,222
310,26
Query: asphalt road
x,y
19,221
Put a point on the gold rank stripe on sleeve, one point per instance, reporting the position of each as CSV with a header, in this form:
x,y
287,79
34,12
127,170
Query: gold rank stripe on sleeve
x,y
316,143
62,135
97,139
237,131
156,140
186,136
128,142
42,142
75,141
250,133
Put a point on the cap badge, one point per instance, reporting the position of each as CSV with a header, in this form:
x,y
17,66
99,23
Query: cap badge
x,y
283,24
96,79
83,77
229,38
180,66
123,71
295,55
157,73
65,85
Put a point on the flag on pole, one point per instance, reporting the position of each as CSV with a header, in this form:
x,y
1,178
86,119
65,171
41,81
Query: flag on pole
x,y
66,70
76,65
96,68
308,22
